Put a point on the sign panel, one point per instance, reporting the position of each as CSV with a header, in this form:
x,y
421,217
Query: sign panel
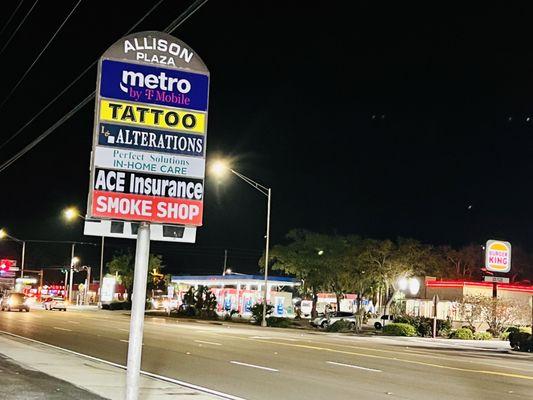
x,y
128,137
496,279
149,144
498,256
154,85
141,161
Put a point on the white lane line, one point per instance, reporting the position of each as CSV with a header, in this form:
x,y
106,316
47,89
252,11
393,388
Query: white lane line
x,y
62,329
254,366
353,366
213,343
74,322
123,330
160,377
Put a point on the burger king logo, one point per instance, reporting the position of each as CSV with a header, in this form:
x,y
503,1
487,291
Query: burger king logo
x,y
498,256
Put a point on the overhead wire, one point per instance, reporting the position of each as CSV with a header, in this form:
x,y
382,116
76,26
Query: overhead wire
x,y
70,85
11,17
18,27
39,56
173,26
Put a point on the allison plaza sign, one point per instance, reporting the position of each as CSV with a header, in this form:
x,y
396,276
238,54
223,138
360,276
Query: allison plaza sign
x,y
149,142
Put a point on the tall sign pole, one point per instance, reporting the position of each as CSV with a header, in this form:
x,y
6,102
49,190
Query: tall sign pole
x,y
148,155
142,255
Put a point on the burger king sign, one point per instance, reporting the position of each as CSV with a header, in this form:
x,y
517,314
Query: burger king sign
x,y
498,256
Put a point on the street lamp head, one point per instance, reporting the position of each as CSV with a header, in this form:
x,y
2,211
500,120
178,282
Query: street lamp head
x,y
70,213
75,260
320,252
3,233
220,167
228,271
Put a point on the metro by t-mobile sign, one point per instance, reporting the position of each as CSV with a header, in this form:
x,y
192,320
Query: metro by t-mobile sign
x,y
148,158
498,256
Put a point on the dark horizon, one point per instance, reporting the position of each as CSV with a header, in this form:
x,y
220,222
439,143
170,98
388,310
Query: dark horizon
x,y
379,121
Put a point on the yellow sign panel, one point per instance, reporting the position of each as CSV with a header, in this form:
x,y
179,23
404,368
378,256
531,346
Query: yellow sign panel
x,y
148,115
498,256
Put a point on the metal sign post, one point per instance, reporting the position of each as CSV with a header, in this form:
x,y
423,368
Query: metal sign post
x,y
142,255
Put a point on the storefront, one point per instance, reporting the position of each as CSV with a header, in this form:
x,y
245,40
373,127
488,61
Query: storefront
x,y
239,293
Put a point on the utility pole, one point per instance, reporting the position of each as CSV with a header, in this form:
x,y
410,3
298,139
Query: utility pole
x,y
435,305
65,293
225,260
71,272
41,280
23,257
101,272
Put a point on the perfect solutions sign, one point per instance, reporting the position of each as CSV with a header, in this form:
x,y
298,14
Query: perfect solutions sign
x,y
148,159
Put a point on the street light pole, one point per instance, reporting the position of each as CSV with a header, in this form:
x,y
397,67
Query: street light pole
x,y
267,237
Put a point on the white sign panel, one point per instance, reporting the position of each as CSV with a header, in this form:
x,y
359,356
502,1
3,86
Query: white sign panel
x,y
143,161
498,256
497,279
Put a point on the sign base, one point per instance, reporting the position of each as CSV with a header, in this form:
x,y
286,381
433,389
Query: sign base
x,y
128,230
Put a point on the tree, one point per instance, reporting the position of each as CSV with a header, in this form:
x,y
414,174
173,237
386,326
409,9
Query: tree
x,y
312,257
464,263
123,264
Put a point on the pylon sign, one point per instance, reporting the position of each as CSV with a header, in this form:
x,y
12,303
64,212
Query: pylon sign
x,y
149,143
498,256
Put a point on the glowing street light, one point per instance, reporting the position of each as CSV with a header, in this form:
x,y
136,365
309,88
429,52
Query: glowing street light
x,y
71,213
220,168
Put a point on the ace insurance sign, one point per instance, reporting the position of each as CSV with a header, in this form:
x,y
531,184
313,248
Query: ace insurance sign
x,y
149,144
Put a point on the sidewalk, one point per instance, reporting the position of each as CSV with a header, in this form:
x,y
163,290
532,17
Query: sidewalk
x,y
36,371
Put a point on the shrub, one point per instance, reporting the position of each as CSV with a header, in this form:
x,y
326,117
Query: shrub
x,y
482,336
257,312
341,326
522,341
399,329
276,322
424,325
463,334
118,305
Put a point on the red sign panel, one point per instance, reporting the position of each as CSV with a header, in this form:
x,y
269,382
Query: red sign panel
x,y
133,207
6,264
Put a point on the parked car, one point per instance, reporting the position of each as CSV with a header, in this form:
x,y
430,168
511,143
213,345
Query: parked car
x,y
55,303
15,301
380,321
323,322
160,303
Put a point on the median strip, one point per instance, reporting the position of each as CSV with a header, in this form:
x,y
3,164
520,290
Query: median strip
x,y
254,366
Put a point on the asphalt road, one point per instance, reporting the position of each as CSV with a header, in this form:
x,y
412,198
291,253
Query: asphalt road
x,y
256,363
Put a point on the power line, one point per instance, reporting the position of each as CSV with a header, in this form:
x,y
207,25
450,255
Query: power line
x,y
173,26
49,104
39,56
18,27
11,17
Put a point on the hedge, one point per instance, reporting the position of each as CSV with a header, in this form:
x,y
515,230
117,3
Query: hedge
x,y
399,329
463,334
482,336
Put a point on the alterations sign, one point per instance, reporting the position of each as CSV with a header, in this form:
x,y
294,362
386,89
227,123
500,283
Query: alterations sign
x,y
148,158
498,256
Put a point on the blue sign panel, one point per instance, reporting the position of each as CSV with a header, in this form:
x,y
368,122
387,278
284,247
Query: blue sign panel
x,y
146,84
147,139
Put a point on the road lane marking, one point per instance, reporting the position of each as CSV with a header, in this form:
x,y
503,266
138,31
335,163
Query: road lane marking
x,y
353,366
62,329
150,374
123,330
304,346
254,366
126,341
74,322
213,343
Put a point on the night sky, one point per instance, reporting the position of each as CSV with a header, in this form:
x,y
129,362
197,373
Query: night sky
x,y
364,118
